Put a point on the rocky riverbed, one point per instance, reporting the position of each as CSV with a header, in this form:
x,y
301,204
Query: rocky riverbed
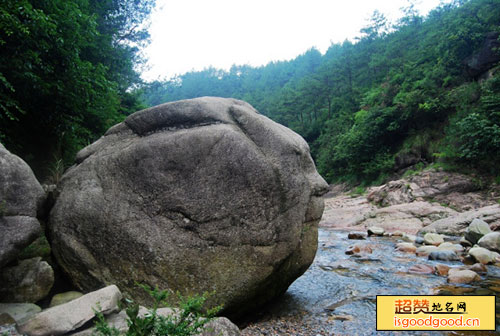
x,y
337,295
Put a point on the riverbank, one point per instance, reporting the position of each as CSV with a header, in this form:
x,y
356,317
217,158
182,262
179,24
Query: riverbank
x,y
336,296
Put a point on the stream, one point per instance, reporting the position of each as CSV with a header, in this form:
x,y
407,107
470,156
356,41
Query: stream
x,y
337,294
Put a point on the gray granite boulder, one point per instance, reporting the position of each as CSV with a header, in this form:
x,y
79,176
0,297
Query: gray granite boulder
x,y
195,195
21,197
476,229
490,241
19,311
29,281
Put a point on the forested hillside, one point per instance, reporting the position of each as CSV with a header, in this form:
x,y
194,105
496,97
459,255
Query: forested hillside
x,y
66,69
423,90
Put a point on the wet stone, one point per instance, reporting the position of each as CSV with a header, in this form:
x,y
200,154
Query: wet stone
x,y
442,270
359,249
375,231
462,276
356,235
443,255
421,269
433,239
406,247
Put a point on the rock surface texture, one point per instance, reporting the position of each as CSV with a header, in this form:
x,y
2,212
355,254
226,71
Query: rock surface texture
x,y
29,281
458,224
67,317
195,195
438,185
21,196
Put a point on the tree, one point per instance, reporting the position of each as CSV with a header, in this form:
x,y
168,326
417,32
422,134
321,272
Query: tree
x,y
65,67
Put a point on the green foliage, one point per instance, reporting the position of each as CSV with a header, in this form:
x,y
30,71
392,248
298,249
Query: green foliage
x,y
363,103
419,167
65,68
358,191
474,132
189,319
56,171
39,248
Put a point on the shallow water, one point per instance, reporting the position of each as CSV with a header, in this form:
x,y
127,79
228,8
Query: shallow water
x,y
337,294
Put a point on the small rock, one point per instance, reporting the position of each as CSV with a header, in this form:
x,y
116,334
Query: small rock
x,y
356,235
397,233
465,243
66,317
409,238
64,298
444,255
476,229
424,251
490,241
482,255
30,281
406,247
6,319
419,240
433,239
358,249
478,268
20,311
451,247
421,269
462,276
375,231
221,326
442,269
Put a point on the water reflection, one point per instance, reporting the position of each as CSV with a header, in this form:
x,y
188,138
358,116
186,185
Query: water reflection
x,y
337,294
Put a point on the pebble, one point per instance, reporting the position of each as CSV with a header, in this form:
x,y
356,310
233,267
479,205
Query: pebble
x,y
478,268
375,231
406,247
359,248
462,276
356,235
433,239
444,255
421,269
442,270
423,251
483,255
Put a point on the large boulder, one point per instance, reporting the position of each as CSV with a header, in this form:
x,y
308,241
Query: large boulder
x,y
358,214
428,184
21,197
195,195
476,229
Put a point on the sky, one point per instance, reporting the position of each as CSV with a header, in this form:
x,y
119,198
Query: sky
x,y
195,34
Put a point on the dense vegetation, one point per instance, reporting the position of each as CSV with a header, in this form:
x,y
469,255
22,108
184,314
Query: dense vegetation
x,y
410,92
66,69
401,94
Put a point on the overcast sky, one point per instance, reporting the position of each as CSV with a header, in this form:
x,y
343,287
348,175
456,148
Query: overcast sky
x,y
194,34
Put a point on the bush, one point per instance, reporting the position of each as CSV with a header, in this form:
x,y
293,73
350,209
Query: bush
x,y
190,319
